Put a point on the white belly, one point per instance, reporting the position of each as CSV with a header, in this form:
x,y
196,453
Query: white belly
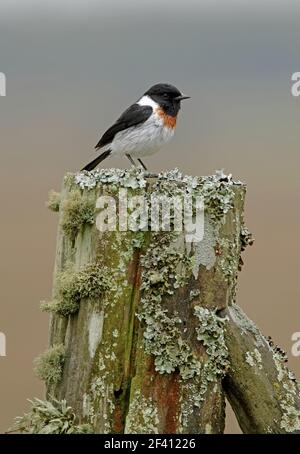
x,y
142,140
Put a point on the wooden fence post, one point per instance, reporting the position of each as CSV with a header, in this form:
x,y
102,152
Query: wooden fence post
x,y
143,329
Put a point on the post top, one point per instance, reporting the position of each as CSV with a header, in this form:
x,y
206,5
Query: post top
x,y
136,178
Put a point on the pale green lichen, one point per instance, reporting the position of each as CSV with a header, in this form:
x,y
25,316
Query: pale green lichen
x,y
246,238
53,202
142,417
229,260
254,359
49,365
210,332
213,366
72,286
289,399
131,178
217,191
47,417
194,294
99,400
78,211
162,335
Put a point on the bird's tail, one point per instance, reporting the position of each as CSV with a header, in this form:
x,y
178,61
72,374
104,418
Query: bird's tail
x,y
91,165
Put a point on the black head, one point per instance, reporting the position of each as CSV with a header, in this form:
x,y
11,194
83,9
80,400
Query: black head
x,y
167,96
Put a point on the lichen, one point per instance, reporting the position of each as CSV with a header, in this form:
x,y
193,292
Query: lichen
x,y
289,398
71,287
162,335
210,332
132,178
53,202
142,417
194,294
99,399
49,365
246,238
78,210
216,190
229,259
254,359
45,417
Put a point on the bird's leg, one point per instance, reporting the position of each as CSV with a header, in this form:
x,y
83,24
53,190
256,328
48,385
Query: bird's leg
x,y
143,165
130,159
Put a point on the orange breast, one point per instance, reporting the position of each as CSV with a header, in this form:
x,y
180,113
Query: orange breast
x,y
169,121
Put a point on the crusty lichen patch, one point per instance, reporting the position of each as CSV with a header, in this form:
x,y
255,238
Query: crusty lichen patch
x,y
72,286
210,332
99,400
49,365
254,359
165,269
289,398
142,417
50,417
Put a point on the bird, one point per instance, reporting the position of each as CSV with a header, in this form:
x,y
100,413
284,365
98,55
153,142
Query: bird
x,y
143,128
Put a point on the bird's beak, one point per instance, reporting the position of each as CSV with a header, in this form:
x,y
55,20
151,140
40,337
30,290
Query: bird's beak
x,y
181,97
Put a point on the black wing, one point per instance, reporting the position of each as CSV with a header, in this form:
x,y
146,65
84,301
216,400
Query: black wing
x,y
133,116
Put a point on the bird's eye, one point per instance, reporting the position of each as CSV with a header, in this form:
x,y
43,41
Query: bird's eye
x,y
165,95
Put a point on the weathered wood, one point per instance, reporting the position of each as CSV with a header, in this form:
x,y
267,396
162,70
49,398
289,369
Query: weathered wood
x,y
148,354
263,393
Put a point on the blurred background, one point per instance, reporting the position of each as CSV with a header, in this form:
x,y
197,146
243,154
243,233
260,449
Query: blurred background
x,y
72,68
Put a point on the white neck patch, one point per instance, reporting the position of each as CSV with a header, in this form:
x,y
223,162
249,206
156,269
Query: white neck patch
x,y
147,101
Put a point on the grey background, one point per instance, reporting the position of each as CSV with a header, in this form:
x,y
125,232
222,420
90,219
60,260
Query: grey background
x,y
72,67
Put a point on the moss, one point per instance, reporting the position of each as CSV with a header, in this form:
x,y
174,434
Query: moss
x,y
142,417
71,287
78,210
53,202
47,417
49,365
